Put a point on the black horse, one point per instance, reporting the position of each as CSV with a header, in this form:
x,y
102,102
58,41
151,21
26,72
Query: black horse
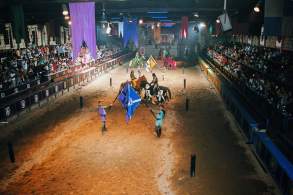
x,y
162,93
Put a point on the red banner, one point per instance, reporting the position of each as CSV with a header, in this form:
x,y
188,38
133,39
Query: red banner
x,y
184,27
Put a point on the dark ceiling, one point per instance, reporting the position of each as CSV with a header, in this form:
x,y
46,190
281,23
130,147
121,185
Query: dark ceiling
x,y
41,11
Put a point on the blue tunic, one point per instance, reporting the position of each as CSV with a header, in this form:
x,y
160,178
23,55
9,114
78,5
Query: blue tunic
x,y
159,119
102,113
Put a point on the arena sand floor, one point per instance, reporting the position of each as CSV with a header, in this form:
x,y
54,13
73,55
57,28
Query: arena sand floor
x,y
60,148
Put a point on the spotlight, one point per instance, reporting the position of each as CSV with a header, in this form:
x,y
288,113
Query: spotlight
x,y
69,22
140,21
64,10
218,21
66,17
256,8
108,30
202,25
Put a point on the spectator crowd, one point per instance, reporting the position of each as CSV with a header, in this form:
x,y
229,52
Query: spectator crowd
x,y
20,67
265,71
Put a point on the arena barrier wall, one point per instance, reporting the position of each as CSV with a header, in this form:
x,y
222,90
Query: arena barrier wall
x,y
35,96
274,161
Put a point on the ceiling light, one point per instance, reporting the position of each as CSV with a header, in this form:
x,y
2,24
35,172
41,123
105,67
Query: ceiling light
x,y
202,25
108,30
218,21
158,24
256,8
69,22
196,15
66,17
64,10
140,21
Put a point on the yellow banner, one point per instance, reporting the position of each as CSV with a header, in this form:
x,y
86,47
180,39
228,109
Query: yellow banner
x,y
151,62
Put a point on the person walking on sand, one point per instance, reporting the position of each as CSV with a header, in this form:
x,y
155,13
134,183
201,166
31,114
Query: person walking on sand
x,y
102,112
159,120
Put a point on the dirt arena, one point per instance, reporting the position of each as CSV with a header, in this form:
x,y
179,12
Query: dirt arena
x,y
60,148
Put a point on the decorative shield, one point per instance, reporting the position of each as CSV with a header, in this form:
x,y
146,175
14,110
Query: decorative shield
x,y
22,104
36,98
7,111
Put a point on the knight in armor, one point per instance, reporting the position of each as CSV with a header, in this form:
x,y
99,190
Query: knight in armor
x,y
132,75
154,82
133,79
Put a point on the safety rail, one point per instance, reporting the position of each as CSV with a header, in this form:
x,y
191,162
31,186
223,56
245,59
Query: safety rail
x,y
40,93
274,161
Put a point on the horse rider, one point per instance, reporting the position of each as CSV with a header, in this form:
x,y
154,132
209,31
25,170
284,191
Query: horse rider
x,y
154,82
133,78
132,75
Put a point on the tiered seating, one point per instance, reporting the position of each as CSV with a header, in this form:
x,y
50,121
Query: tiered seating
x,y
266,72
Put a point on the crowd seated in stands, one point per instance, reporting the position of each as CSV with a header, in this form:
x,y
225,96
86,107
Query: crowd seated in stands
x,y
19,67
264,71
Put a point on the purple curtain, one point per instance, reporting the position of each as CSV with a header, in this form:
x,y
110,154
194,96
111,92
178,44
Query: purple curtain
x,y
83,27
130,32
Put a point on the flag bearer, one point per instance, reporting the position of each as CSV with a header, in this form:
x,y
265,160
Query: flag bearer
x,y
102,112
159,120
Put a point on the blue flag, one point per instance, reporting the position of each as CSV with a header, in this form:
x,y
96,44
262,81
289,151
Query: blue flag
x,y
130,100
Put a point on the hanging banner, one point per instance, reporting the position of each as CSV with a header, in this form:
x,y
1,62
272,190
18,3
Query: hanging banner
x,y
83,27
274,10
157,34
130,32
18,22
184,27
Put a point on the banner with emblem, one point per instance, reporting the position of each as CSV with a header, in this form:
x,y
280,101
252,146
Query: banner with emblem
x,y
130,100
151,62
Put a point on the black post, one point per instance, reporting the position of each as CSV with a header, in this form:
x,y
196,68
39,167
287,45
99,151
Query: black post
x,y
81,101
110,81
192,165
187,104
184,83
11,152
